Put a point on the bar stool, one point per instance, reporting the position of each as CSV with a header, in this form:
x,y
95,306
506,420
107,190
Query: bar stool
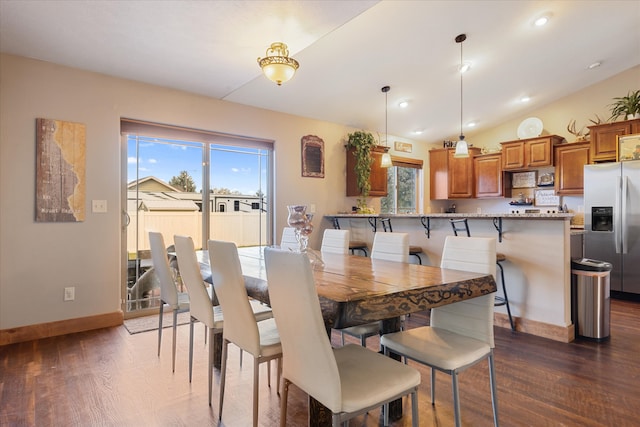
x,y
462,225
413,250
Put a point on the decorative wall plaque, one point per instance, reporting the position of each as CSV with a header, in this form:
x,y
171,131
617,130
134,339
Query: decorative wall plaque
x,y
312,156
60,171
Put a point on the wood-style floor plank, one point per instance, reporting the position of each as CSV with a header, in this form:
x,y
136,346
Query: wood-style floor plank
x,y
110,378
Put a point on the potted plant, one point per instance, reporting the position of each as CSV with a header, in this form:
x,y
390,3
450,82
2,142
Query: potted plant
x,y
362,143
627,106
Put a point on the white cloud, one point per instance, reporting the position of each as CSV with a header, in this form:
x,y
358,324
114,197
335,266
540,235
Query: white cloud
x,y
131,160
153,161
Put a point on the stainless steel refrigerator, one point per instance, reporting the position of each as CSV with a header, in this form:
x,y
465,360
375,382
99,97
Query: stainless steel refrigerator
x,y
612,220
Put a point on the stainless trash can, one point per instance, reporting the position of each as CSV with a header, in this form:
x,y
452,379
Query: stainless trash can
x,y
590,297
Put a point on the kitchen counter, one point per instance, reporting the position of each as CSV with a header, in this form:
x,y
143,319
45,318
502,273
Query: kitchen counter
x,y
551,215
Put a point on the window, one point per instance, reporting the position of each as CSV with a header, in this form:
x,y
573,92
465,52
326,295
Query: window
x,y
403,186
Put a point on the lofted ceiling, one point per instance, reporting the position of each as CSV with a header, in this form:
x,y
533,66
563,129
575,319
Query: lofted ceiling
x,y
347,51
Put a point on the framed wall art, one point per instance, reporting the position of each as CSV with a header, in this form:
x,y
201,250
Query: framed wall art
x,y
628,147
60,171
312,156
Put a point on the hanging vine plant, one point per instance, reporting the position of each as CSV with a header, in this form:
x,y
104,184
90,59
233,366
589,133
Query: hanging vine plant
x,y
362,144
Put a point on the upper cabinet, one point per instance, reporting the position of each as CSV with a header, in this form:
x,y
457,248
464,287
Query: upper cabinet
x,y
450,177
604,139
570,161
378,177
529,153
489,179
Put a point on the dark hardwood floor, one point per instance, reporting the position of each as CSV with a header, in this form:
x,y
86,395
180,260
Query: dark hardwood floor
x,y
110,378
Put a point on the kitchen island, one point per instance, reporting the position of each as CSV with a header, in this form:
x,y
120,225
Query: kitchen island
x,y
536,245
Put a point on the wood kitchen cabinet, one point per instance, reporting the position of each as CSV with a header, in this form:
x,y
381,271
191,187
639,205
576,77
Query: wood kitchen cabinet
x,y
570,161
378,177
450,177
529,153
489,178
604,139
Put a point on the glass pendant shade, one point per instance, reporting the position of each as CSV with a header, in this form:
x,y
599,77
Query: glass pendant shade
x,y
385,161
462,150
277,66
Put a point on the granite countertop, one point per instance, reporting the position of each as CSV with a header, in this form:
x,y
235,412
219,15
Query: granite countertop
x,y
559,216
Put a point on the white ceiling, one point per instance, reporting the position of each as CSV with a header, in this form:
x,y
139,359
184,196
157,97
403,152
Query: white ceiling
x,y
347,51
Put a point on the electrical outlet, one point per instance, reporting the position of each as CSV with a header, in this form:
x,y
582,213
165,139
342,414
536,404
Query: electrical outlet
x,y
70,293
99,206
312,208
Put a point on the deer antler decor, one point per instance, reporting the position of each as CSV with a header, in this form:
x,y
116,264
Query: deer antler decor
x,y
597,121
571,128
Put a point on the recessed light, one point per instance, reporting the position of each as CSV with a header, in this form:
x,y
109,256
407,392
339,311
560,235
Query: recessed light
x,y
418,131
594,65
464,67
525,99
471,124
541,21
403,104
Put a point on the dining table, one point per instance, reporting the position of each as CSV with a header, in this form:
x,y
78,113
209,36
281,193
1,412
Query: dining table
x,y
354,290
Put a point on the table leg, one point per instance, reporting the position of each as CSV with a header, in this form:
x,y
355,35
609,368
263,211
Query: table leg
x,y
388,326
217,351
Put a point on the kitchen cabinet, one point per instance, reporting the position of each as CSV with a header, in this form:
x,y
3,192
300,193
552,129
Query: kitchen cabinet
x,y
570,161
489,178
450,177
604,139
378,177
529,153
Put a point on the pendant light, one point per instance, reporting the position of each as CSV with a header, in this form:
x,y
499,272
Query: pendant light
x,y
277,66
385,161
462,149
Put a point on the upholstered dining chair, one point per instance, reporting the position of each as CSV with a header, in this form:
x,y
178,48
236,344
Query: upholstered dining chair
x,y
341,379
462,226
460,334
288,241
335,241
386,246
201,308
260,339
177,301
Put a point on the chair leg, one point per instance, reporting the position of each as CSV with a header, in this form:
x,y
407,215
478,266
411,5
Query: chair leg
x,y
433,386
160,327
414,408
506,299
173,345
256,380
223,374
269,374
494,393
211,344
342,337
283,403
279,374
456,398
190,348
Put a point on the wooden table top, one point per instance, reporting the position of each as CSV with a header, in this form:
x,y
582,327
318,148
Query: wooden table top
x,y
354,290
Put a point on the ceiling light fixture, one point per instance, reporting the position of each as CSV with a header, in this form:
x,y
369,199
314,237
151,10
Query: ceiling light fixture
x,y
403,104
462,150
594,65
525,99
277,66
385,161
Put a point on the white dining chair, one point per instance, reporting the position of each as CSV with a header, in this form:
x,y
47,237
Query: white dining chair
x,y
201,308
178,302
349,380
335,242
260,339
389,247
460,334
288,240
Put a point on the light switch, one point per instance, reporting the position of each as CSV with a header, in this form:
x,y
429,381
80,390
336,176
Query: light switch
x,y
99,206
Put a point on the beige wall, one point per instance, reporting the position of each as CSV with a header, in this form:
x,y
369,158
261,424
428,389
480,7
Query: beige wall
x,y
37,260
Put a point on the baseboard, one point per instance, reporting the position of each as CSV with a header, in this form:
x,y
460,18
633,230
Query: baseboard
x,y
61,327
545,330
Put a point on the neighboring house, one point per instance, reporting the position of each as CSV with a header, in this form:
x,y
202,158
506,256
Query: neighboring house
x,y
153,194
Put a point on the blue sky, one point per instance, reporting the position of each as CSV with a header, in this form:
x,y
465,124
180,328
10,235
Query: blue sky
x,y
232,168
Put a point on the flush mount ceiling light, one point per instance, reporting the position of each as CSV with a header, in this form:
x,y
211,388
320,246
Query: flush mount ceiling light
x,y
462,150
385,161
277,66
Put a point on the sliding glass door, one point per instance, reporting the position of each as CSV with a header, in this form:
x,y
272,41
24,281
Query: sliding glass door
x,y
202,185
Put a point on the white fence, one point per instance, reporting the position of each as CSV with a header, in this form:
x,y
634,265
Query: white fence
x,y
245,229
